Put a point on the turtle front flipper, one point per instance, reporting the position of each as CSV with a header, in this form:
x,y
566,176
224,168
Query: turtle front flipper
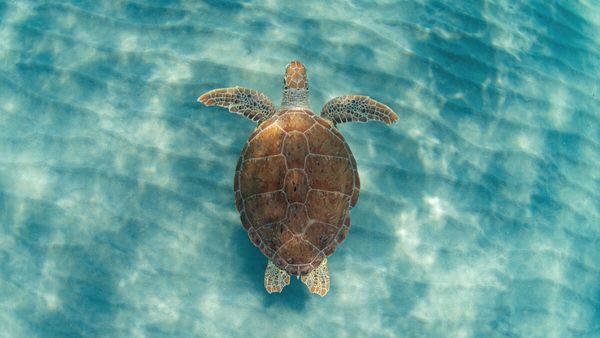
x,y
356,108
248,102
317,280
275,278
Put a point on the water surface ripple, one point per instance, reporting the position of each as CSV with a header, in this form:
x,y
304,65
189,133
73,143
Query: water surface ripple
x,y
479,214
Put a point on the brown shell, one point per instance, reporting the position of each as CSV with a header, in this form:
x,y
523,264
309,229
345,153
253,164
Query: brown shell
x,y
294,185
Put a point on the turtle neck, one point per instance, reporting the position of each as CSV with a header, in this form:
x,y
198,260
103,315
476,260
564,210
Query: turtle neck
x,y
295,98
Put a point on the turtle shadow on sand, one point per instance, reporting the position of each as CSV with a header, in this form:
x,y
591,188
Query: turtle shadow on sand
x,y
252,266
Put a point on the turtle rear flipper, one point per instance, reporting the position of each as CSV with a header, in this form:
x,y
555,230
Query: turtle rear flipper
x,y
248,102
275,278
356,108
317,280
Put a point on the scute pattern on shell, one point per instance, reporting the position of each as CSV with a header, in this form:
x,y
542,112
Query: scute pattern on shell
x,y
294,186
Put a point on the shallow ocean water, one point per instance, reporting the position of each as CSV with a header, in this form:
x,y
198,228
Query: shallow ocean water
x,y
479,213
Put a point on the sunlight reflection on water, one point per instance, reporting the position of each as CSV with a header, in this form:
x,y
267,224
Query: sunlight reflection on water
x,y
478,211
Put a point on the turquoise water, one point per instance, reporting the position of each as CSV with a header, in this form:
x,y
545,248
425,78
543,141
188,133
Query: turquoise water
x,y
479,213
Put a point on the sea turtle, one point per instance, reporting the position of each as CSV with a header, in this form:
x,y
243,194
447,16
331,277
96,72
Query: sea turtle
x,y
296,179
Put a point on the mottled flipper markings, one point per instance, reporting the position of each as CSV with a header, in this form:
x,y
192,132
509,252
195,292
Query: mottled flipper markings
x,y
317,280
356,108
248,102
275,278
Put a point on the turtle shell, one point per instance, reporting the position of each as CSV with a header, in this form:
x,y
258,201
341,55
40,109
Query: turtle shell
x,y
294,184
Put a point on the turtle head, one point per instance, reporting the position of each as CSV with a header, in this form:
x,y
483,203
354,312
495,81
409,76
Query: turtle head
x,y
295,86
295,76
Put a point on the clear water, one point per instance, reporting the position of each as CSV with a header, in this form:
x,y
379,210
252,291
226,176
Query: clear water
x,y
479,214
